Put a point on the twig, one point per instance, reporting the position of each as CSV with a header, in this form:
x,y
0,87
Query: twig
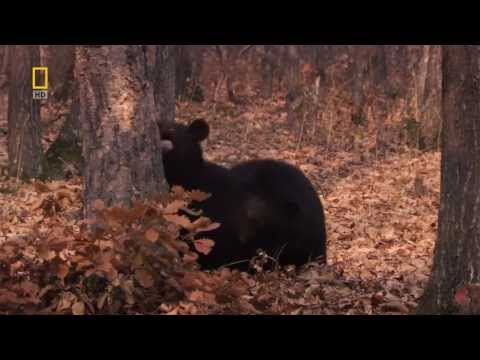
x,y
245,49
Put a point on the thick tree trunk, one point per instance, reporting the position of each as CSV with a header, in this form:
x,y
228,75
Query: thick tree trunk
x,y
457,251
60,59
24,141
164,82
121,141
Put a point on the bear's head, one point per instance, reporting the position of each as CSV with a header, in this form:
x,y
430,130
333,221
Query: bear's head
x,y
181,149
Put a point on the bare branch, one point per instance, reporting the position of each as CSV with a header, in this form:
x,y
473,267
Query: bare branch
x,y
245,49
220,54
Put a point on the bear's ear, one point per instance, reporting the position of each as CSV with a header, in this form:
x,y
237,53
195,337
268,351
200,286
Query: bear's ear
x,y
199,129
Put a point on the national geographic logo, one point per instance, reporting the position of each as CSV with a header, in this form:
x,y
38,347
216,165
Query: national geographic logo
x,y
40,82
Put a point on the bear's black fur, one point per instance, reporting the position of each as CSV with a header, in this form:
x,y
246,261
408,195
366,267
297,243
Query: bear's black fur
x,y
263,204
284,215
184,165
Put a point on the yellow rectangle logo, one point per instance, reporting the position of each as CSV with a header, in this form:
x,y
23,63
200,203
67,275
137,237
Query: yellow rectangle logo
x,y
43,86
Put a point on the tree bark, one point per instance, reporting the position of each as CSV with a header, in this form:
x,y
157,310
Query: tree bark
x,y
294,97
457,252
267,70
164,82
429,95
24,134
3,65
63,158
60,59
3,85
188,67
229,56
121,141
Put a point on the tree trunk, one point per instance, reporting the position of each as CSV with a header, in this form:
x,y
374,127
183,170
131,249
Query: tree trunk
x,y
63,158
164,82
60,59
3,86
429,95
24,134
188,66
3,65
294,97
359,83
457,252
121,141
229,56
267,69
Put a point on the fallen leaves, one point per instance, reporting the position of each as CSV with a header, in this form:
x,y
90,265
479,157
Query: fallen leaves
x,y
381,218
144,278
180,220
152,235
78,308
123,266
203,246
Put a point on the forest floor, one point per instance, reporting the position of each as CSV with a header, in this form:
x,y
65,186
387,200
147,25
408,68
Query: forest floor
x,y
381,218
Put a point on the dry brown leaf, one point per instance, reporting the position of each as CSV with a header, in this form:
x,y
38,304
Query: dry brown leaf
x,y
37,204
108,269
16,266
144,278
62,271
174,206
138,261
78,308
395,306
45,290
66,301
178,191
101,300
191,257
7,296
98,205
203,246
191,280
180,246
29,288
197,195
208,227
84,264
173,312
41,187
152,235
179,220
66,194
202,297
45,253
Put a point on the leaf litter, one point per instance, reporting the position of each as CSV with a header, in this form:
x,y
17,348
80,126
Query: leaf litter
x,y
381,223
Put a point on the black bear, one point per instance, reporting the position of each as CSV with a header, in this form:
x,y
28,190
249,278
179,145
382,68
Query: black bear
x,y
284,215
185,166
263,204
